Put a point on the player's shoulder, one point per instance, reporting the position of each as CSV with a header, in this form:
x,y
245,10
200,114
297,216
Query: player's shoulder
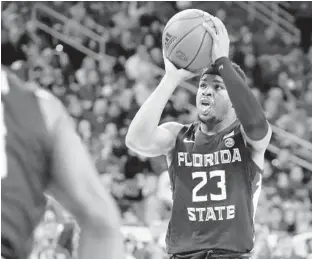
x,y
173,127
180,130
232,132
257,148
51,107
259,144
233,129
47,98
49,102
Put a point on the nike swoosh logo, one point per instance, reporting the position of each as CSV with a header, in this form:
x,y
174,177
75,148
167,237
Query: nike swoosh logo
x,y
220,67
188,140
229,135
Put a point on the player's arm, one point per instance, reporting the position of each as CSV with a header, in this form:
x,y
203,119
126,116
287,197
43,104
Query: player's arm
x,y
76,185
256,128
145,136
248,110
162,140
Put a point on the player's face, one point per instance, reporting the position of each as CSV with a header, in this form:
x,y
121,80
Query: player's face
x,y
212,100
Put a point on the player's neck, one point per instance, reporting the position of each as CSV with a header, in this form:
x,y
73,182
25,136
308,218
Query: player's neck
x,y
214,127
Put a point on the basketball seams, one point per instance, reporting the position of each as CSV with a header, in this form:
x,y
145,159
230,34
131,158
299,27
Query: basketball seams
x,y
178,20
173,47
186,47
201,44
182,19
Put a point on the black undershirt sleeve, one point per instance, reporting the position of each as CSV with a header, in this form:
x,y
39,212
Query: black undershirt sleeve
x,y
247,108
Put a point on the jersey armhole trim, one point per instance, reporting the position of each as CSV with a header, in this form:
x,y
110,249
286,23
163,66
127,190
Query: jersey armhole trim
x,y
169,154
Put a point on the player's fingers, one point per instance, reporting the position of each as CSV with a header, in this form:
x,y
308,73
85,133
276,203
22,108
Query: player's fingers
x,y
166,61
216,25
189,75
196,73
220,25
224,30
220,28
210,30
164,55
169,64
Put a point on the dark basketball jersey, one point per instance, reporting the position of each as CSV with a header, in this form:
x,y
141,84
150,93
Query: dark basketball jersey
x,y
25,152
214,181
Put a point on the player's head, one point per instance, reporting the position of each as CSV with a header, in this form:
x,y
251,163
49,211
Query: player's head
x,y
212,99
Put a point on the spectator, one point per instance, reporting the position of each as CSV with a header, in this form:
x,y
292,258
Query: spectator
x,y
102,97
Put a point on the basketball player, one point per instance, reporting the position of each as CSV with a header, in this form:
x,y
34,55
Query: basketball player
x,y
215,164
40,150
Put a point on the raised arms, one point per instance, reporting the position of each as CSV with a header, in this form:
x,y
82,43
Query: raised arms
x,y
255,127
247,108
145,136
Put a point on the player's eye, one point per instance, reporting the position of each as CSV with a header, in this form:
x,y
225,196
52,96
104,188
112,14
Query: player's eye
x,y
218,87
202,85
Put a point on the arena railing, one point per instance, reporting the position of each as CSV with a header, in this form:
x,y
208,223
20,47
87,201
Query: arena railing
x,y
280,11
293,158
97,56
280,16
41,9
189,87
272,15
302,142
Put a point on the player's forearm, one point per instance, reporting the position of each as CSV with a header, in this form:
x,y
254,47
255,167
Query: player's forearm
x,y
100,235
146,120
247,108
99,243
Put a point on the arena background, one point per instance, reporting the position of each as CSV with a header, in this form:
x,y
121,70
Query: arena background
x,y
103,59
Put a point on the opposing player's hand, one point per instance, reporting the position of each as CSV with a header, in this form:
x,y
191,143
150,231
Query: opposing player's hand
x,y
178,75
220,37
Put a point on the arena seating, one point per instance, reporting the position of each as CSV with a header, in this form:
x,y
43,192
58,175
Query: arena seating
x,y
102,77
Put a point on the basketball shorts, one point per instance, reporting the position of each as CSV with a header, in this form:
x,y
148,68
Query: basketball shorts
x,y
7,251
213,254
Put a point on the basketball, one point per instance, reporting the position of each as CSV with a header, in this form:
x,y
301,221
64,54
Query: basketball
x,y
185,42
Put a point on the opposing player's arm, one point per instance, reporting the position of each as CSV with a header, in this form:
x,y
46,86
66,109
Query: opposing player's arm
x,y
161,141
76,185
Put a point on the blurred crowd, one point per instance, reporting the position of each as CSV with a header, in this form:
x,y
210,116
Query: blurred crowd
x,y
103,95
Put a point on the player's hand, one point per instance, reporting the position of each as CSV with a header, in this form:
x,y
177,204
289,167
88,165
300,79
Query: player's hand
x,y
220,38
178,75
